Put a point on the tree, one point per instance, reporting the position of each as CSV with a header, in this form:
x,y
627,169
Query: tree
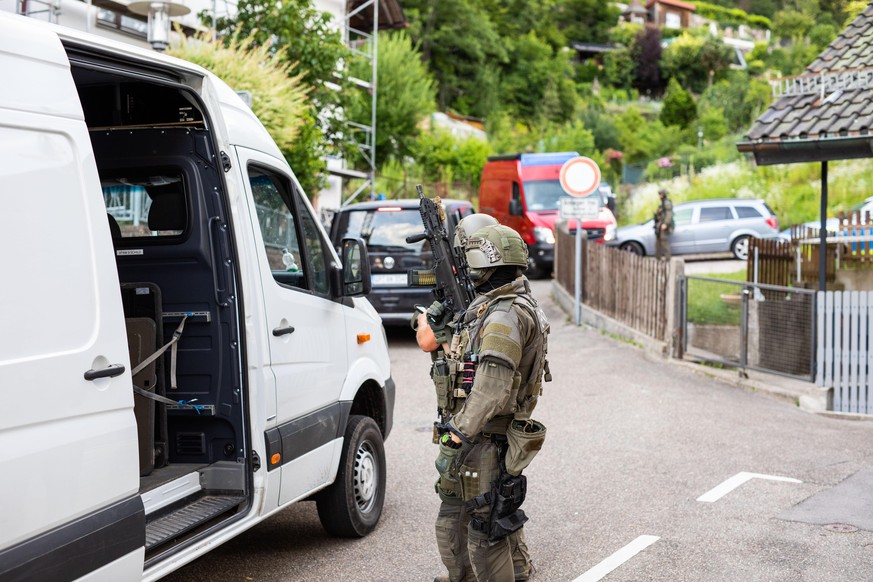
x,y
404,96
537,84
618,68
279,98
304,38
646,53
586,20
679,107
791,24
740,98
713,124
696,61
443,158
463,50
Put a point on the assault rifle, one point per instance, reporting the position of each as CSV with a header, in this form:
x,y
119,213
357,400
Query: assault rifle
x,y
448,276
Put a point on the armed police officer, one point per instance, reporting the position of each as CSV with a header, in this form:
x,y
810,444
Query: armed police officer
x,y
488,366
663,226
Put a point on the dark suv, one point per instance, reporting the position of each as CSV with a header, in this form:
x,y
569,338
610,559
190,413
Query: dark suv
x,y
384,226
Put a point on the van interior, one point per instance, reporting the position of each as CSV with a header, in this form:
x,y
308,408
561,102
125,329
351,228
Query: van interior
x,y
164,191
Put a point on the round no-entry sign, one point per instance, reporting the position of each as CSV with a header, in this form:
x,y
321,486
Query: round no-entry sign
x,y
580,176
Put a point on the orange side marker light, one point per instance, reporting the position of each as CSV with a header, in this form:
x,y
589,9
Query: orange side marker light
x,y
363,338
274,460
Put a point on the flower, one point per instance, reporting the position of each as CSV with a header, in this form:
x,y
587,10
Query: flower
x,y
665,163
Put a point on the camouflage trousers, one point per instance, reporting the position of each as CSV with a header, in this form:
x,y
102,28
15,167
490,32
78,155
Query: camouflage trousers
x,y
662,244
467,553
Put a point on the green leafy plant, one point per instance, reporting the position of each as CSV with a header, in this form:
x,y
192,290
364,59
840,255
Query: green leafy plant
x,y
404,96
279,98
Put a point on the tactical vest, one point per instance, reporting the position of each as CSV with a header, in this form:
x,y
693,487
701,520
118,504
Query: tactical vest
x,y
453,372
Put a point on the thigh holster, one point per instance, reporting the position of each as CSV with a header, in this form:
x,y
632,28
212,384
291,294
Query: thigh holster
x,y
504,500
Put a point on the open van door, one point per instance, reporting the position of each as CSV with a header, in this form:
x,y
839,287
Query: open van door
x,y
68,439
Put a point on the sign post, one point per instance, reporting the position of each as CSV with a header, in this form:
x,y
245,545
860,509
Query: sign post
x,y
579,177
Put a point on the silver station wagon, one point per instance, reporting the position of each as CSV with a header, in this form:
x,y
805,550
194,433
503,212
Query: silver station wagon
x,y
705,226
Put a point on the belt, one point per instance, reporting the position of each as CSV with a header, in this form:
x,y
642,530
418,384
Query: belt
x,y
498,424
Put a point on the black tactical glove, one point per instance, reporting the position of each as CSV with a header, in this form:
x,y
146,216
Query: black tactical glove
x,y
438,318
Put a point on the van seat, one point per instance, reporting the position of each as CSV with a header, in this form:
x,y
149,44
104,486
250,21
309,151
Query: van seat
x,y
114,229
167,211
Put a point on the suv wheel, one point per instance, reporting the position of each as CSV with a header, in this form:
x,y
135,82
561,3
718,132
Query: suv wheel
x,y
740,247
351,507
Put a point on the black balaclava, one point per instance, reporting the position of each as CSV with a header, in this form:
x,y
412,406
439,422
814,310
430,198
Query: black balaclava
x,y
501,276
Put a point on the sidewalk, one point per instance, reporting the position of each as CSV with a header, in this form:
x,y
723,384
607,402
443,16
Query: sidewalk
x,y
805,395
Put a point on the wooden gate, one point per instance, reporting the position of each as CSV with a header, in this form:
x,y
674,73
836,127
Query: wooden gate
x,y
845,349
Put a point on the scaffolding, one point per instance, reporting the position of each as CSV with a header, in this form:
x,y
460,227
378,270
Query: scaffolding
x,y
361,35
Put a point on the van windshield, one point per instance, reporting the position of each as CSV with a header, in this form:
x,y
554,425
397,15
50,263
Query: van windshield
x,y
383,228
544,194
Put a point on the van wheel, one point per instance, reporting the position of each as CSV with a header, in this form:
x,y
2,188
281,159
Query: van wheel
x,y
740,248
351,507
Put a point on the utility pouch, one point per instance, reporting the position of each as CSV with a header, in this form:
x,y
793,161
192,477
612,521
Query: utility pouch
x,y
525,438
443,381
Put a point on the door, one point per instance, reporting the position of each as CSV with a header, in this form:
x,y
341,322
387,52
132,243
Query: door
x,y
713,229
304,326
68,439
682,239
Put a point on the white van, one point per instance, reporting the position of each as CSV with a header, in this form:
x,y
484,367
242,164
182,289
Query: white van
x,y
143,205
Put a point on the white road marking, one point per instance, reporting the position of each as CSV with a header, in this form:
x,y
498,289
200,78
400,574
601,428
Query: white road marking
x,y
617,559
717,493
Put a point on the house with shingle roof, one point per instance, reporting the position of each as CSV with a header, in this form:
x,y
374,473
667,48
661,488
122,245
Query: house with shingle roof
x,y
827,112
822,115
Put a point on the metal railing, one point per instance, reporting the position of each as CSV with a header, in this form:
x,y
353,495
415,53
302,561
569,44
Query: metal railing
x,y
750,326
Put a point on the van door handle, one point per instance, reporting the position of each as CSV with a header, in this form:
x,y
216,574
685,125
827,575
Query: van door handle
x,y
280,331
109,372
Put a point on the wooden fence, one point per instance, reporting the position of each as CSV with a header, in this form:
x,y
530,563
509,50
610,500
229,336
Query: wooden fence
x,y
849,247
624,286
773,260
845,348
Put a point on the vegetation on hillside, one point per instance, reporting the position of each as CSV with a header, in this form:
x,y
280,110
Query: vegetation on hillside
x,y
664,103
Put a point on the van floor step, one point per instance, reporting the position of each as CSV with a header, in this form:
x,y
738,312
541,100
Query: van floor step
x,y
189,517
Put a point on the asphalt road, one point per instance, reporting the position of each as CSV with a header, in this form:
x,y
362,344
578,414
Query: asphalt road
x,y
632,443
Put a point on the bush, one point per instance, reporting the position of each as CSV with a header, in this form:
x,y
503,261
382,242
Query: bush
x,y
679,107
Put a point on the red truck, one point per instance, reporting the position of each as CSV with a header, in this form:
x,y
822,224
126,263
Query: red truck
x,y
522,191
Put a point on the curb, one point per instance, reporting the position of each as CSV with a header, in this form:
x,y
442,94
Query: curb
x,y
804,395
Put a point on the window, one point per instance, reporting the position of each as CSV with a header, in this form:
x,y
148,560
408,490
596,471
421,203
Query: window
x,y
546,194
682,216
747,212
277,218
315,250
145,205
132,25
384,228
715,213
672,20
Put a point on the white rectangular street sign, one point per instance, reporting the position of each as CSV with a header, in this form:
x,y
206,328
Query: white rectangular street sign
x,y
588,207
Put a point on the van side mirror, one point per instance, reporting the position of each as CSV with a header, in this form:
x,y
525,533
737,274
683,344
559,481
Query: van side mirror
x,y
515,207
356,268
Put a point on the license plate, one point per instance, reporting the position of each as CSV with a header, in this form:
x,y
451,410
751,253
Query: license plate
x,y
389,279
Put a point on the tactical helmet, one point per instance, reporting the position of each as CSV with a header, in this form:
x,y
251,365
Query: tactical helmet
x,y
470,224
495,246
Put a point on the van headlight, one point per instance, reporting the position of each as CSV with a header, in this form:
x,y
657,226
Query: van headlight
x,y
544,235
610,232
